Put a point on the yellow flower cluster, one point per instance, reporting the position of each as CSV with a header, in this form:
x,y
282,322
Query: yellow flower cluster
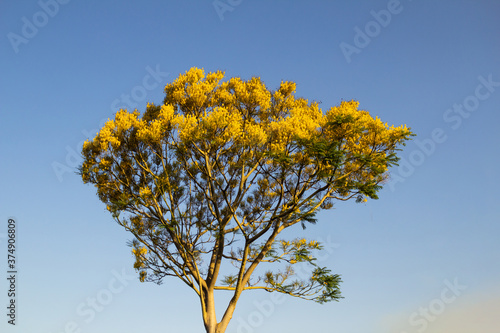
x,y
187,126
104,164
252,121
125,120
192,90
113,130
140,252
284,95
303,122
252,93
106,136
359,132
199,107
140,256
254,134
145,192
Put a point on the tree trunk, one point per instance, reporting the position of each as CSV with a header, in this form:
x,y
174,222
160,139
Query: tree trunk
x,y
208,310
221,327
209,316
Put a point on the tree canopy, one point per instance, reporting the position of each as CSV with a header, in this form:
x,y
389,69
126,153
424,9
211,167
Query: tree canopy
x,y
216,172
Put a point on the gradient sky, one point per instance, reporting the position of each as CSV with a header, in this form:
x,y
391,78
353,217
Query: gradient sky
x,y
425,257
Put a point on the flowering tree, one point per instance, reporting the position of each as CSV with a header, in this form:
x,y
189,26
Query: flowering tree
x,y
215,174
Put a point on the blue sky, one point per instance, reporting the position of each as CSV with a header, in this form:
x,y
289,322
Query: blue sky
x,y
423,258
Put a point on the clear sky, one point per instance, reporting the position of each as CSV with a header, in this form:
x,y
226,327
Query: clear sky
x,y
425,257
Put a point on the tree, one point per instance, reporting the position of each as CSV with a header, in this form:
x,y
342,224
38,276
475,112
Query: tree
x,y
215,174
